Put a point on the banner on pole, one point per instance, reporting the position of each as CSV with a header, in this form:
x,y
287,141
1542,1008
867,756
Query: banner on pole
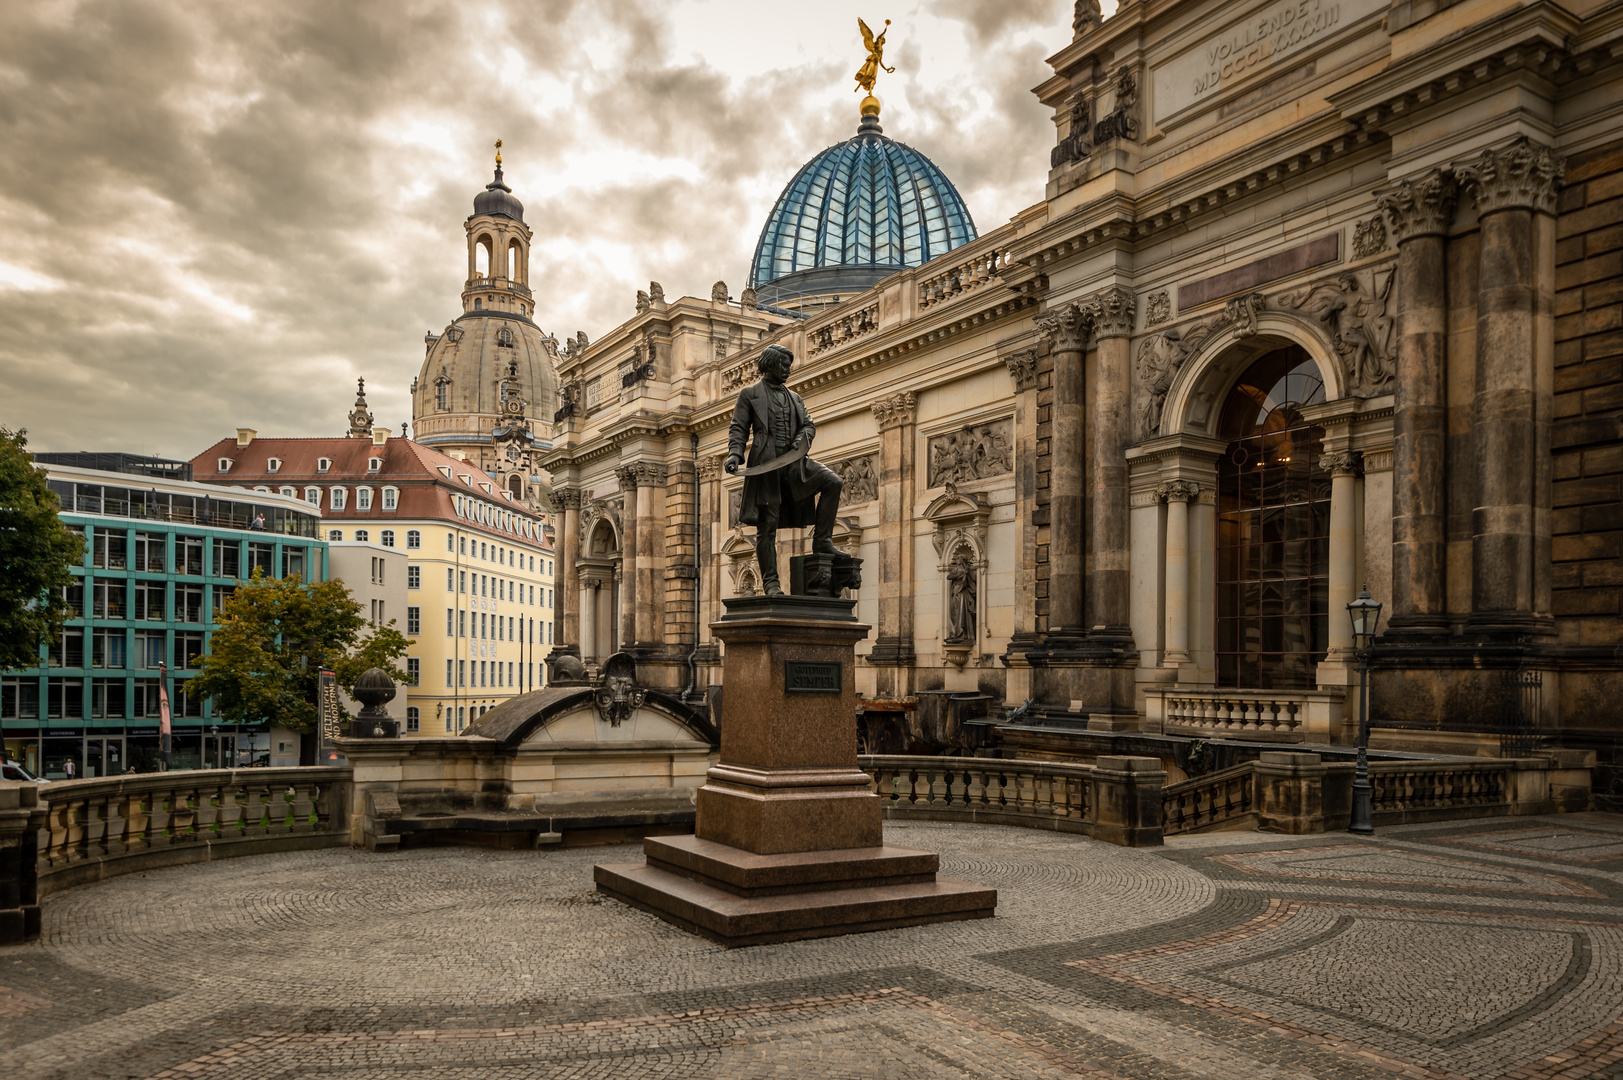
x,y
332,710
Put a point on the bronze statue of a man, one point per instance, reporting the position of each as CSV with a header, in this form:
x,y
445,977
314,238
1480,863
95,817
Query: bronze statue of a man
x,y
782,486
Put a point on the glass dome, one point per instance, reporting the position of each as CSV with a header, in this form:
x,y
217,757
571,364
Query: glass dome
x,y
854,214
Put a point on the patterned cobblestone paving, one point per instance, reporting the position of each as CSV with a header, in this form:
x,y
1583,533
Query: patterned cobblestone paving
x,y
1460,950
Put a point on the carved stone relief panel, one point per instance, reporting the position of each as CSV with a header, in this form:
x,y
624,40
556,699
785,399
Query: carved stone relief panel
x,y
735,506
972,453
1352,308
861,477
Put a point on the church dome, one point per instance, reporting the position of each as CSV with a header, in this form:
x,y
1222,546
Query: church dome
x,y
855,214
497,198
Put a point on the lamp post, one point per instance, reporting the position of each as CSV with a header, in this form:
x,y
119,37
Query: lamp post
x,y
1366,616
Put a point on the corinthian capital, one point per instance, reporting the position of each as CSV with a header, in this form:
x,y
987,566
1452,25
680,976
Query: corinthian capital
x,y
1341,462
627,475
1065,327
1521,175
895,409
1177,490
566,498
1112,311
1420,207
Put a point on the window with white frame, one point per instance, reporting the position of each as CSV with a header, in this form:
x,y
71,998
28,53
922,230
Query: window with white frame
x,y
386,537
338,498
335,534
414,718
363,498
225,464
323,464
391,498
414,577
291,492
362,536
312,495
414,539
374,464
414,671
414,621
273,464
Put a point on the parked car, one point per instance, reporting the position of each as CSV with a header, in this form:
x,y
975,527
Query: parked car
x,y
13,771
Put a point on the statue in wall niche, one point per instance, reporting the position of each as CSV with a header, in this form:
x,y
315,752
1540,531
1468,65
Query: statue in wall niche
x,y
961,578
782,486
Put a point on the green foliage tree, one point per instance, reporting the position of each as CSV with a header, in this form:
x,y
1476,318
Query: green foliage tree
x,y
272,639
36,550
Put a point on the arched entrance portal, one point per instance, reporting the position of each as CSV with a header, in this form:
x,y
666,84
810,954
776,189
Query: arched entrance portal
x,y
1273,528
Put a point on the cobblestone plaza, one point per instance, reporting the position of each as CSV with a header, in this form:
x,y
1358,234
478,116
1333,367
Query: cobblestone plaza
x,y
1462,949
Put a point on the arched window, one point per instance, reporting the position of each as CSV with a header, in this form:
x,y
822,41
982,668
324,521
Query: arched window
x,y
335,534
514,262
391,498
362,536
414,539
442,393
387,537
483,249
1273,528
478,304
504,338
338,499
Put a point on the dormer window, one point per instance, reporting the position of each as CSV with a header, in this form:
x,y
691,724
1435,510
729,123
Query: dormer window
x,y
291,492
323,464
445,471
504,338
225,464
363,498
374,464
273,464
466,479
339,498
485,486
312,495
391,498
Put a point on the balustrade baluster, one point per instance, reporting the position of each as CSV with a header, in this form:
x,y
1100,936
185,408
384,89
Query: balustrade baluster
x,y
938,786
303,804
957,786
975,792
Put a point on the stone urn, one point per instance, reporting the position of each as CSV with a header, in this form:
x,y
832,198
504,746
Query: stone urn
x,y
374,689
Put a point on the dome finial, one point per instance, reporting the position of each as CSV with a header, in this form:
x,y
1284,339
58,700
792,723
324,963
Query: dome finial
x,y
498,153
869,71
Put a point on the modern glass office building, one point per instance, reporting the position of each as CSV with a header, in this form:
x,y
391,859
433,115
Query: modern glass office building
x,y
160,556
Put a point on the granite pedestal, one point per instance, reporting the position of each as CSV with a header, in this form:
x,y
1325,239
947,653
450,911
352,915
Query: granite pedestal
x,y
788,841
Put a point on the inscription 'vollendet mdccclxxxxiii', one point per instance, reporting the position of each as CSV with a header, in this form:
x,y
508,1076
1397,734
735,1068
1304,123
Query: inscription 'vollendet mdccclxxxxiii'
x,y
1271,34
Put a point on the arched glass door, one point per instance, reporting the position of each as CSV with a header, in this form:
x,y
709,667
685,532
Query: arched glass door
x,y
1273,528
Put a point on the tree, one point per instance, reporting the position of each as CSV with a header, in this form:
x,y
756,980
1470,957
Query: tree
x,y
273,637
36,550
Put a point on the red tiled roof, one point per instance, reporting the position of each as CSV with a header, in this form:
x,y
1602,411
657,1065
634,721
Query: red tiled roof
x,y
425,491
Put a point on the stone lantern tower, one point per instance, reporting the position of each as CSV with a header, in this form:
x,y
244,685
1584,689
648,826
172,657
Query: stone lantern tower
x,y
491,356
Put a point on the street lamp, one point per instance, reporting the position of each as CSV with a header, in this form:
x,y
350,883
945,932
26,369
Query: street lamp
x,y
1366,616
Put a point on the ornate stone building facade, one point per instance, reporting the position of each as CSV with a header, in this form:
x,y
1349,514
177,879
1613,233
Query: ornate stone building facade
x,y
487,389
1317,295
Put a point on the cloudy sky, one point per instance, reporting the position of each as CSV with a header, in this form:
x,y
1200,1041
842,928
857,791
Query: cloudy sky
x,y
219,213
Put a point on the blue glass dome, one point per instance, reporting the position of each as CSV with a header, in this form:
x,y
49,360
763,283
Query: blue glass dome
x,y
854,214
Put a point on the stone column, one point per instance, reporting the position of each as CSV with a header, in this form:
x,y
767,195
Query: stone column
x,y
1112,313
1343,467
567,634
651,478
1023,370
1420,212
588,617
629,525
712,521
1067,330
1177,495
1510,424
893,645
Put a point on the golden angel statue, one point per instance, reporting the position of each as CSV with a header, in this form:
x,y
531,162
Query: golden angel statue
x,y
869,71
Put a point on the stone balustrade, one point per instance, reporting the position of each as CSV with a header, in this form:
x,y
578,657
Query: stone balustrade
x,y
1262,715
1117,799
975,266
96,829
827,335
1301,793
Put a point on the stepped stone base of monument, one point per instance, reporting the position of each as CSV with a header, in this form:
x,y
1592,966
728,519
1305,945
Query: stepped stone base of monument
x,y
789,836
738,897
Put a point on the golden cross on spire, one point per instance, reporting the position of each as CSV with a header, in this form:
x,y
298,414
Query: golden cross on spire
x,y
498,153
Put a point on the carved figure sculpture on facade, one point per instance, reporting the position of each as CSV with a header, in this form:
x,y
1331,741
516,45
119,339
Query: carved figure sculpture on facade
x,y
782,486
962,580
619,696
1353,309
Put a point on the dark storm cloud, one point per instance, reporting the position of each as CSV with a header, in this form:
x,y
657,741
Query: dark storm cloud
x,y
216,214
